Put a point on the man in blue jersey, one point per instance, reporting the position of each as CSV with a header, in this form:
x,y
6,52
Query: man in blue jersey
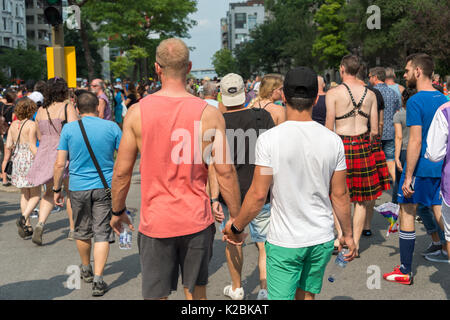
x,y
421,178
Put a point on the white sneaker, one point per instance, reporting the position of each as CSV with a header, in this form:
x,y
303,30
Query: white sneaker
x,y
262,294
237,294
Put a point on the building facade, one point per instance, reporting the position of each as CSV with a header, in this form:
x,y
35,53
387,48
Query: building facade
x,y
241,19
39,34
12,24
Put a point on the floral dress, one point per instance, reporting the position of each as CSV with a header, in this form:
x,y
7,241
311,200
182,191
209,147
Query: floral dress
x,y
22,160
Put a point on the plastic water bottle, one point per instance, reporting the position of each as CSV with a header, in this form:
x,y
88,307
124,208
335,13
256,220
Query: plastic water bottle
x,y
125,239
338,265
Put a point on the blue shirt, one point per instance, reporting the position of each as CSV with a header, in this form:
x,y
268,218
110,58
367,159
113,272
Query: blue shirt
x,y
104,137
420,111
391,106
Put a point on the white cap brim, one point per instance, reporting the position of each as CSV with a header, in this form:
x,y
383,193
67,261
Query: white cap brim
x,y
233,101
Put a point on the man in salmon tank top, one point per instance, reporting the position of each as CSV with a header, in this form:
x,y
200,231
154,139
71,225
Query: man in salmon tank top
x,y
177,135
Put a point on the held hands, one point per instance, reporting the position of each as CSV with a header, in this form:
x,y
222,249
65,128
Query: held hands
x,y
116,223
218,211
230,237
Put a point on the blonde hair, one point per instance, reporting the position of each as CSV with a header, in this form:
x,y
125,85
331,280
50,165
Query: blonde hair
x,y
173,57
269,83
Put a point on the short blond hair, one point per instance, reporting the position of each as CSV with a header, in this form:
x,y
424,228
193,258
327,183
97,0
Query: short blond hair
x,y
172,55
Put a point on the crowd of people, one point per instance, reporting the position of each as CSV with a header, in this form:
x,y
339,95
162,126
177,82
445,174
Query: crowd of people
x,y
286,155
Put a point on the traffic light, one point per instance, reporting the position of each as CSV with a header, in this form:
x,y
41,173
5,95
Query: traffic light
x,y
53,12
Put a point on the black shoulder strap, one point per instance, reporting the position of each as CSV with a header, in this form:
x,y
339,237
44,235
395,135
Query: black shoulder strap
x,y
18,137
258,118
94,159
356,106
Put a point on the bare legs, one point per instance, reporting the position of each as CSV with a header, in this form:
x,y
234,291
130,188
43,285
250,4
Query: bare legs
x,y
304,295
101,252
369,215
235,260
359,218
68,205
46,204
29,199
262,265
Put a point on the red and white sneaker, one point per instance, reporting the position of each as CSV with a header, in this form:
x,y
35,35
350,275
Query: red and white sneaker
x,y
398,276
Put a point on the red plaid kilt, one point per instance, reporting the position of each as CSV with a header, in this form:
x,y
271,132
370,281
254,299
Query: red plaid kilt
x,y
362,176
380,159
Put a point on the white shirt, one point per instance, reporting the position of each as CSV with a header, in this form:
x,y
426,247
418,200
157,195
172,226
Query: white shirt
x,y
304,157
213,103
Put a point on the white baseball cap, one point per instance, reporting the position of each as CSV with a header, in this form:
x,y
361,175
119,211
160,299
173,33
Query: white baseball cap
x,y
37,97
233,90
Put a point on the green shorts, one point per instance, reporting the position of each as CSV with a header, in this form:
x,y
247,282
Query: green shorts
x,y
292,268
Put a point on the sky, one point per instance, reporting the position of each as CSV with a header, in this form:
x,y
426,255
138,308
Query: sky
x,y
205,36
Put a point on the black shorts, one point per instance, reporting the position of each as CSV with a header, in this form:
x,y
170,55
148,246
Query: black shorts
x,y
161,260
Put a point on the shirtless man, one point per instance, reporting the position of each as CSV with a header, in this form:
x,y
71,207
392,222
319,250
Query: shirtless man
x,y
176,226
350,107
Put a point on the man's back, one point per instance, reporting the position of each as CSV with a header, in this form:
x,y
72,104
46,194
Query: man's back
x,y
320,111
391,106
420,111
237,124
304,157
173,175
104,137
340,100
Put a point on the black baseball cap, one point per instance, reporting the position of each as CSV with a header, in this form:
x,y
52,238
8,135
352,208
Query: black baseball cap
x,y
301,82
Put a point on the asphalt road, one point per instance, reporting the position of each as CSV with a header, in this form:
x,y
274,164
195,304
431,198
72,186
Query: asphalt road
x,y
31,272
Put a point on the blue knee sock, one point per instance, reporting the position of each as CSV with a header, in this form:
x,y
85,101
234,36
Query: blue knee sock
x,y
407,241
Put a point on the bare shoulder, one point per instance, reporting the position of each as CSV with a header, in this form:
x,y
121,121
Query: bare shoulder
x,y
211,112
212,117
335,92
371,95
134,112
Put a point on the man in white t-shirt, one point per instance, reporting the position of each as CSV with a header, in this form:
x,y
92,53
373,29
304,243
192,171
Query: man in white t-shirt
x,y
303,164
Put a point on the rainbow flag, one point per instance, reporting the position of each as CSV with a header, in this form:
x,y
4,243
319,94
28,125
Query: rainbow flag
x,y
390,212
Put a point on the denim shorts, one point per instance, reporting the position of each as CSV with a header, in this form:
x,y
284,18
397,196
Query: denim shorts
x,y
389,149
258,226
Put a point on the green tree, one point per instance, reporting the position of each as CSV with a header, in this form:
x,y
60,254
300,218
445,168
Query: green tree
x,y
124,23
330,46
121,66
407,26
25,64
283,40
224,63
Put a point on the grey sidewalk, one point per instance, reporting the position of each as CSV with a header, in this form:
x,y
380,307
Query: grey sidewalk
x,y
31,272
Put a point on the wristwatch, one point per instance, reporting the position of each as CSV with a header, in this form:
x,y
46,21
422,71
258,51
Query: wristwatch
x,y
214,200
235,230
57,191
119,213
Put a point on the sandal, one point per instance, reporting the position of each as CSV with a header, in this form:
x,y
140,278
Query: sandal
x,y
367,233
29,231
21,228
